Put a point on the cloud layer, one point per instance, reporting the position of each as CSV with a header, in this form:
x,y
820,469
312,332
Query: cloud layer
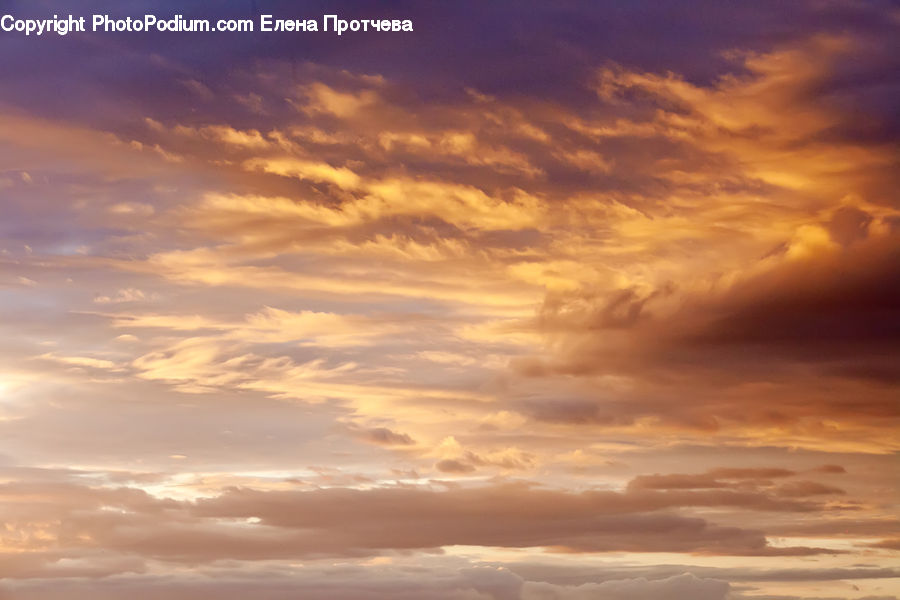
x,y
516,307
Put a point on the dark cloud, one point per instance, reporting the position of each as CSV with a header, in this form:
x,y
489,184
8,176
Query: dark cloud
x,y
509,515
442,582
449,465
891,544
716,478
387,437
834,469
501,48
835,315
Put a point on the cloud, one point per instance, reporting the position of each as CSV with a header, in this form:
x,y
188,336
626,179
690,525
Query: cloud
x,y
386,437
789,318
681,587
716,478
593,521
70,519
124,295
508,291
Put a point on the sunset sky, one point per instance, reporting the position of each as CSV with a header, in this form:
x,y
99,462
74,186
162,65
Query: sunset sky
x,y
572,300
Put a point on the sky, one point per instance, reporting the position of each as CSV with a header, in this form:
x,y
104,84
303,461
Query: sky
x,y
575,300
